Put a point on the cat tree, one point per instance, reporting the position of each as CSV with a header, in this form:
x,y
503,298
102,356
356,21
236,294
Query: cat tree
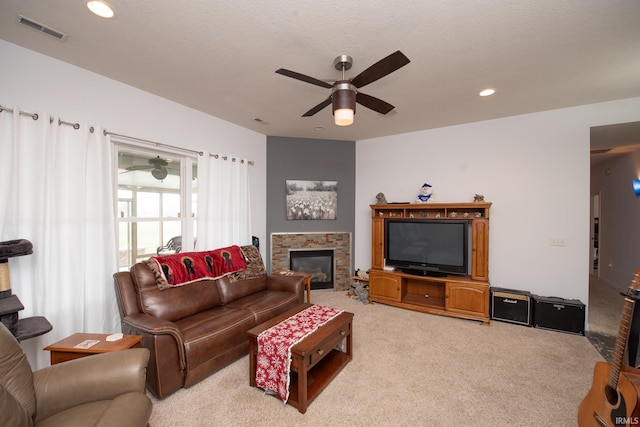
x,y
10,305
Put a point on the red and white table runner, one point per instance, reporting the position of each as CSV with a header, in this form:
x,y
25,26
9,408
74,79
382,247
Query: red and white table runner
x,y
274,347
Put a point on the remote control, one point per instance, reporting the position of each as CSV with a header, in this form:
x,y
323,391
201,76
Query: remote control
x,y
115,337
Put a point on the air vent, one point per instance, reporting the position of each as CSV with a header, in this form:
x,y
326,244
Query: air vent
x,y
34,25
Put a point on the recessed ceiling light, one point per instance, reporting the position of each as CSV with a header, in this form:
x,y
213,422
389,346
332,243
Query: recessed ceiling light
x,y
318,128
487,92
101,8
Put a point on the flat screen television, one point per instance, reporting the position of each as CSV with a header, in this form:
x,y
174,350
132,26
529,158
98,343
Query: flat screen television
x,y
427,247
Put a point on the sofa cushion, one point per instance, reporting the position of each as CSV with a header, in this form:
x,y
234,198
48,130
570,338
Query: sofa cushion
x,y
173,303
125,409
266,304
212,332
231,291
245,282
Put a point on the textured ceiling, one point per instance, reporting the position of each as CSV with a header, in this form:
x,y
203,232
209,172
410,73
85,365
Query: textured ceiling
x,y
219,57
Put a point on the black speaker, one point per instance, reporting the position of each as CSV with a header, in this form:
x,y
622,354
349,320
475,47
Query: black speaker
x,y
508,305
558,314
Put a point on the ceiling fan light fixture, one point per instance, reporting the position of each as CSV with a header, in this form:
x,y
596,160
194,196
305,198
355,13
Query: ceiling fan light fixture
x,y
343,99
159,174
343,117
101,8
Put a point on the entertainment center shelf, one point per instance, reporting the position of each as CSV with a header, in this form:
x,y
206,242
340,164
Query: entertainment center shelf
x,y
458,296
432,210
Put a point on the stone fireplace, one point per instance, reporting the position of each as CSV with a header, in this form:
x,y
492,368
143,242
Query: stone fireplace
x,y
282,244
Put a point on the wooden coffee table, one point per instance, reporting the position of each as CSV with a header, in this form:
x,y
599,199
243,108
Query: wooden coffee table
x,y
315,361
66,349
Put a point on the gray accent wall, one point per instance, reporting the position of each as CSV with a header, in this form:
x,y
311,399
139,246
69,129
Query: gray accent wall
x,y
309,160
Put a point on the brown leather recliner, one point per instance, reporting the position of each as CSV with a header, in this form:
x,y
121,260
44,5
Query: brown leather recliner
x,y
101,390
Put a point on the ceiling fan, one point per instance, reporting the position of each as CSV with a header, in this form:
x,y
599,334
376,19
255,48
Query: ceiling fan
x,y
344,92
157,165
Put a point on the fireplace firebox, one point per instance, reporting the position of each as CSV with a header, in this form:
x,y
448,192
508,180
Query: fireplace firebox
x,y
316,263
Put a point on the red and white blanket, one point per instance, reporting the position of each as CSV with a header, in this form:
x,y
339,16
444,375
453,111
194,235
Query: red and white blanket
x,y
188,267
274,347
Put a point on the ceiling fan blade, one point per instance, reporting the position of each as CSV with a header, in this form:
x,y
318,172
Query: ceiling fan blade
x,y
317,108
373,103
380,69
139,168
304,78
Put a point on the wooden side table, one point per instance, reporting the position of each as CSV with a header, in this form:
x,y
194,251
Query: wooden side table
x,y
307,280
67,349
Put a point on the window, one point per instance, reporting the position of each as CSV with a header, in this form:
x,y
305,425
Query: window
x,y
156,202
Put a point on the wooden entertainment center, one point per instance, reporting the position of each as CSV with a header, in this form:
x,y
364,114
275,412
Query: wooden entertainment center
x,y
465,297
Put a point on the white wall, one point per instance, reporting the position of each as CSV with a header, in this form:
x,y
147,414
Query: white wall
x,y
37,83
534,168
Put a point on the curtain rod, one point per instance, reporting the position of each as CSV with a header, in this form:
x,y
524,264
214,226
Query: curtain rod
x,y
233,159
34,116
157,144
76,126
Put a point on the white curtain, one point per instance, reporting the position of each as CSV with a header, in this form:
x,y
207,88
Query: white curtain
x,y
224,211
56,190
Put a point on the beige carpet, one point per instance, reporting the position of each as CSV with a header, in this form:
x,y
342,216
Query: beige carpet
x,y
412,369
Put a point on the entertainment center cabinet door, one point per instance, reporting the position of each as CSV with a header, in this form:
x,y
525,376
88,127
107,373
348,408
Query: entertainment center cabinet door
x,y
384,286
377,243
467,298
480,249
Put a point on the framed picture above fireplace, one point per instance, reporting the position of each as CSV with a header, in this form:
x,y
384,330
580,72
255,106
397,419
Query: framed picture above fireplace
x,y
311,200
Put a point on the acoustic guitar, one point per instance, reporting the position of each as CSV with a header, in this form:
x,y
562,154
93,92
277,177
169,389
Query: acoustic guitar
x,y
613,397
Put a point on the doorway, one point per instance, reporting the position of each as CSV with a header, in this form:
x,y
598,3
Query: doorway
x,y
605,302
595,234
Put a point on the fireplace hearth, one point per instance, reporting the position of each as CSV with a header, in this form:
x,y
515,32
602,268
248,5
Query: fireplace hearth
x,y
318,264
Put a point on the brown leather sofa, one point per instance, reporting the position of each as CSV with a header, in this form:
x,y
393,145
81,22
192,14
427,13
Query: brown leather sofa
x,y
100,390
196,329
